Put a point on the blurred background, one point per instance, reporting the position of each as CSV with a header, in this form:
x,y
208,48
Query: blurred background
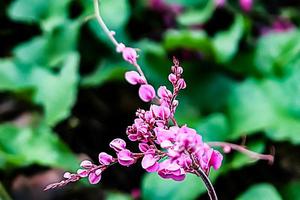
x,y
63,96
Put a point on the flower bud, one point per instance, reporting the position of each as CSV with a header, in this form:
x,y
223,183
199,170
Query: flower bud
x,y
117,144
105,158
146,92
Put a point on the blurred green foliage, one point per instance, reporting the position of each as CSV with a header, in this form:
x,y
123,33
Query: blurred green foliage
x,y
232,90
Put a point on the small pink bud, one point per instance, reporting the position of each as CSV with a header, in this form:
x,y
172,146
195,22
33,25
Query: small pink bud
x,y
98,172
179,70
143,147
120,47
67,175
246,5
163,92
132,77
117,144
94,178
105,158
82,172
130,55
125,157
161,111
172,78
146,92
181,84
86,164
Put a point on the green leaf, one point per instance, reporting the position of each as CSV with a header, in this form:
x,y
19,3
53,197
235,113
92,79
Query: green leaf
x,y
226,43
261,191
284,95
50,49
291,191
249,109
27,145
156,188
48,13
106,71
11,76
214,127
196,16
276,52
57,93
190,39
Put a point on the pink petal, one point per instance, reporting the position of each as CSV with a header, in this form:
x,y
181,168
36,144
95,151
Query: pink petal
x,y
105,158
146,92
93,178
118,144
133,77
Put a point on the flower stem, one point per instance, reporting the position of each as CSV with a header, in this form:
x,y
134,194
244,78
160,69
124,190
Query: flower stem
x,y
210,189
102,24
251,154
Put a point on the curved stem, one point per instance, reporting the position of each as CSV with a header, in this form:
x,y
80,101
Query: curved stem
x,y
210,189
102,24
251,154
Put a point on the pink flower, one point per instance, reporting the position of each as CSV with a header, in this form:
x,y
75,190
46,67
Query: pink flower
x,y
164,93
246,5
172,78
82,172
146,92
134,78
129,54
161,112
149,163
105,159
167,169
118,144
181,84
95,177
125,157
86,164
216,160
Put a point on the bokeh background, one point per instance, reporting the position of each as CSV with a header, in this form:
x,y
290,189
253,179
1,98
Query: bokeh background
x,y
63,96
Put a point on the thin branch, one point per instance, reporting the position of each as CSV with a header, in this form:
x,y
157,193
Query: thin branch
x,y
210,188
251,154
102,24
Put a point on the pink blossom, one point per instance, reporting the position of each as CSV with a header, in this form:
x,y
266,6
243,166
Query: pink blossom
x,y
86,164
105,158
125,157
167,169
82,172
161,112
129,54
95,177
134,78
246,5
146,92
181,84
163,92
149,163
118,144
216,160
172,78
144,147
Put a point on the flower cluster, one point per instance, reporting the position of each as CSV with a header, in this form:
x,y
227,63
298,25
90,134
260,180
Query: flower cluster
x,y
167,148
